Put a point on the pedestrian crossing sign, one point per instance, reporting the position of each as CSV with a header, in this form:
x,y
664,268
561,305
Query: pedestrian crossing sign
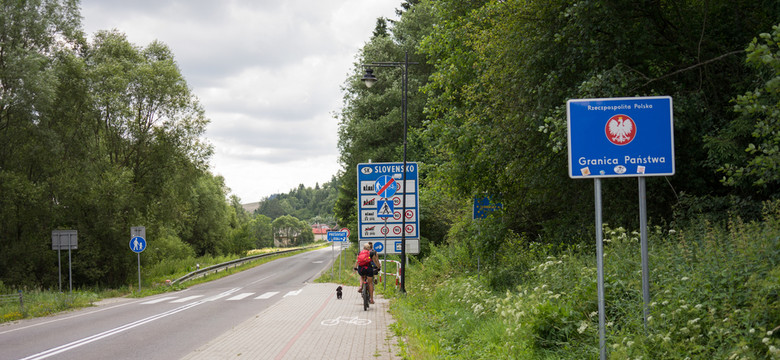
x,y
384,208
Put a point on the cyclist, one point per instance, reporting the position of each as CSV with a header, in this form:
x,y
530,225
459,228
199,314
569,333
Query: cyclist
x,y
366,270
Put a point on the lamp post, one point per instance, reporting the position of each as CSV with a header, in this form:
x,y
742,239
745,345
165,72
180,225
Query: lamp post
x,y
369,79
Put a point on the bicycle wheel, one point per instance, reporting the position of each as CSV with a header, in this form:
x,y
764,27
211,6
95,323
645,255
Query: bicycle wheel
x,y
365,296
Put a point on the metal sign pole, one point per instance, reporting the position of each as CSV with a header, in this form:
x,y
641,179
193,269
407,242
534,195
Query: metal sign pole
x,y
70,267
139,272
384,250
59,266
643,236
600,268
332,257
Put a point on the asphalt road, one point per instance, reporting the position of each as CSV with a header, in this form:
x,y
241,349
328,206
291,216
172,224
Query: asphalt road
x,y
166,326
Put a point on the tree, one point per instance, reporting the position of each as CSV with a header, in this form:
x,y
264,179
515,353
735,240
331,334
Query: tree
x,y
759,120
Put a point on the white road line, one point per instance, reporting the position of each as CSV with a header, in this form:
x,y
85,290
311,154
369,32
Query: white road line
x,y
120,329
240,296
267,295
293,293
226,293
188,298
261,279
155,301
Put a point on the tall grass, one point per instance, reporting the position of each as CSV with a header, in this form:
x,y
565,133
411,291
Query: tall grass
x,y
715,295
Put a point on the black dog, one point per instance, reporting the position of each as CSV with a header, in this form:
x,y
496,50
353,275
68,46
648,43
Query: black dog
x,y
338,293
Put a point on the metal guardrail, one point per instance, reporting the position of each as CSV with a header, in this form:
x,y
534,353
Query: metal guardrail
x,y
226,265
12,298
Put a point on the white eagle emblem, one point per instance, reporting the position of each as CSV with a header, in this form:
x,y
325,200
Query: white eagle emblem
x,y
620,129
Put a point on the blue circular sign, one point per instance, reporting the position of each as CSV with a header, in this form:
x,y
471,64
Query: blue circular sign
x,y
137,244
385,186
378,246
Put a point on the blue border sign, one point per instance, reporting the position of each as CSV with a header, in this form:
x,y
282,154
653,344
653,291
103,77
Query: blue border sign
x,y
620,137
371,224
483,206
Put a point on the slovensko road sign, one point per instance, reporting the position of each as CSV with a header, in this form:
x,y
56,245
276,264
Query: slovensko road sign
x,y
376,180
137,244
620,137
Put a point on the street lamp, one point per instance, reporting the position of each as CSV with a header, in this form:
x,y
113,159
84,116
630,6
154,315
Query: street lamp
x,y
369,79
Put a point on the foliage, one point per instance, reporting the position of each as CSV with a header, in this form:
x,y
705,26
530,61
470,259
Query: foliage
x,y
714,293
303,202
760,164
98,136
290,231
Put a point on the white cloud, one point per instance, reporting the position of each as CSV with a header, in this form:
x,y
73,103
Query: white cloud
x,y
268,74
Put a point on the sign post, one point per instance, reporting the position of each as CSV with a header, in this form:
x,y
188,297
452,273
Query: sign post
x,y
381,180
138,245
340,237
65,239
620,137
483,207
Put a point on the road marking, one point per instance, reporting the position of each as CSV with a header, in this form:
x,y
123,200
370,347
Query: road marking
x,y
226,293
155,301
267,295
240,296
293,293
120,329
261,279
188,298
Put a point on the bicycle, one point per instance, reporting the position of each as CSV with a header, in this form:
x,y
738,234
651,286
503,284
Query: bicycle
x,y
365,292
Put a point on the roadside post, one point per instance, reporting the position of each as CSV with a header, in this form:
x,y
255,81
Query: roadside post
x,y
620,137
138,245
483,207
65,239
340,237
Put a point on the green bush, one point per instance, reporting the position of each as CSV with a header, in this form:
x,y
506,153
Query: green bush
x,y
715,294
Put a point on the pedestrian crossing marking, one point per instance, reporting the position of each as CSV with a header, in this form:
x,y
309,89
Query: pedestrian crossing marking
x,y
267,295
155,301
188,298
293,293
240,296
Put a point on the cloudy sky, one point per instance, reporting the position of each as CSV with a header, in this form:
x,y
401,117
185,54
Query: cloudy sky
x,y
267,72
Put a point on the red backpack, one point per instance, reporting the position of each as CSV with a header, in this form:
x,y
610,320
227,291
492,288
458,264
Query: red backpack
x,y
363,258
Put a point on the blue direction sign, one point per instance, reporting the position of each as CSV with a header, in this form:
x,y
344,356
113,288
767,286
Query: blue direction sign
x,y
619,137
338,236
137,244
379,182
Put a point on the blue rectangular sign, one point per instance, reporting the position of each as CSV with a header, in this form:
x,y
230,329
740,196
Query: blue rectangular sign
x,y
620,137
373,222
483,207
337,236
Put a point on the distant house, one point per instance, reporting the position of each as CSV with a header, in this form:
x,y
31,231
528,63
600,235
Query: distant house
x,y
320,232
